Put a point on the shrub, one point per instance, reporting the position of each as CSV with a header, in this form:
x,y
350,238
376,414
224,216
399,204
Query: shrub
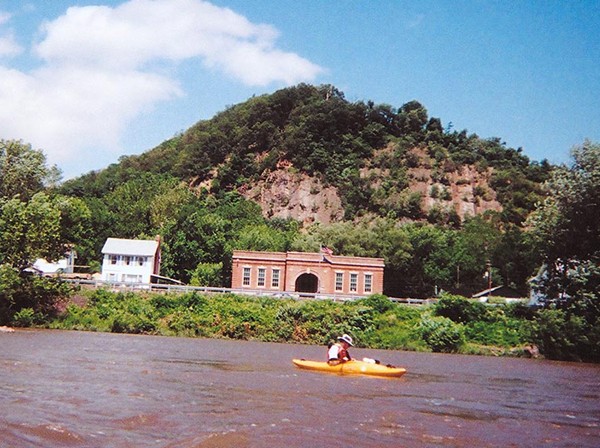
x,y
18,292
26,317
133,323
165,304
378,302
460,310
185,323
396,331
564,336
441,334
502,333
77,318
288,320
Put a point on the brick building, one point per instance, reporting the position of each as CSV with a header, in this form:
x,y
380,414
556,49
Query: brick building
x,y
314,273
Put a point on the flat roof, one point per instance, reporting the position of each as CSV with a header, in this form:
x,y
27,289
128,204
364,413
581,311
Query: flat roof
x,y
307,257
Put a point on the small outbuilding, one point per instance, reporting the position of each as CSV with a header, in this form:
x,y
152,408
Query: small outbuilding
x,y
65,265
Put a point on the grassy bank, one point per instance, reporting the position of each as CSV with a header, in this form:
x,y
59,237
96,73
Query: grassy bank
x,y
454,324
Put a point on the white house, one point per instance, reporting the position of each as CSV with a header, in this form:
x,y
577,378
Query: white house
x,y
130,261
62,266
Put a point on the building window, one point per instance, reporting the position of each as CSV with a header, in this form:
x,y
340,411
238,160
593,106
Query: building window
x,y
368,282
262,273
113,259
339,281
127,260
246,278
141,261
353,282
275,279
130,278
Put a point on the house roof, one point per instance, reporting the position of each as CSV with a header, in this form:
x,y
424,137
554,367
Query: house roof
x,y
499,291
130,247
47,267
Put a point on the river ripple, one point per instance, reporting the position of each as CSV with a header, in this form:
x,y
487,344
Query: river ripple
x,y
80,389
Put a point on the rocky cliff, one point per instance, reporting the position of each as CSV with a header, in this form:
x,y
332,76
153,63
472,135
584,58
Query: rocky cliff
x,y
286,193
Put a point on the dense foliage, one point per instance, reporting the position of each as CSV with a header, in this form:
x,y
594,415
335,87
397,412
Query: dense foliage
x,y
34,223
374,322
315,130
566,228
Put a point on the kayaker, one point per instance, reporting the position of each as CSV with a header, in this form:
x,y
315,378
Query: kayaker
x,y
338,352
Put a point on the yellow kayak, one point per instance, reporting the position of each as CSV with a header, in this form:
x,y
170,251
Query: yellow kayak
x,y
353,367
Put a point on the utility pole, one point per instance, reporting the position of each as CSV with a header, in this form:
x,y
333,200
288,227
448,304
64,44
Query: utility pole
x,y
488,265
458,276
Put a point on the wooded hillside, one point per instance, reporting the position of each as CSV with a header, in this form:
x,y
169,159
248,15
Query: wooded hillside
x,y
376,159
309,162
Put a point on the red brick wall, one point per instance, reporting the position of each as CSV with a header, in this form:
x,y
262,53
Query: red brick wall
x,y
292,265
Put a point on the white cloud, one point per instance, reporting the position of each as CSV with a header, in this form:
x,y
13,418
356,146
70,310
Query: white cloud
x,y
8,45
101,67
141,31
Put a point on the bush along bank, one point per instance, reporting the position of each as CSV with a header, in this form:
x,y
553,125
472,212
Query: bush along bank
x,y
452,325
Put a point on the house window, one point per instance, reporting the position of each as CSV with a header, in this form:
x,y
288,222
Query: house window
x,y
368,282
353,282
141,260
262,272
113,259
127,260
339,281
129,278
275,279
246,278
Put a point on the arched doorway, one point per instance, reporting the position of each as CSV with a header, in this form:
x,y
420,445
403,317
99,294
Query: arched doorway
x,y
307,283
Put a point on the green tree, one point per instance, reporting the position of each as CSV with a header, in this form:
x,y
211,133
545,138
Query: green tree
x,y
261,237
33,224
412,118
476,244
207,274
43,227
23,170
566,223
565,228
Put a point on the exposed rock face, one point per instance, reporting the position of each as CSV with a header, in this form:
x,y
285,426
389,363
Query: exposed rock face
x,y
284,194
465,190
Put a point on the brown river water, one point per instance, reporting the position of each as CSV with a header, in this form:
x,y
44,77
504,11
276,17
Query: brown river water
x,y
80,389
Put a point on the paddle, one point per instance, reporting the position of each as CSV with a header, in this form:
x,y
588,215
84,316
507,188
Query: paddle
x,y
376,361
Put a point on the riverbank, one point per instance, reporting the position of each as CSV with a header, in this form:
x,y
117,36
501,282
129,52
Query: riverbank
x,y
452,325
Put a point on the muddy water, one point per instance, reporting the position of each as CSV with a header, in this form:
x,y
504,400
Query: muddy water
x,y
76,389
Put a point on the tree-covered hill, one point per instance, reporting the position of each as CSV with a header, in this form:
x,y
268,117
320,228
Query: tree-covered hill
x,y
380,160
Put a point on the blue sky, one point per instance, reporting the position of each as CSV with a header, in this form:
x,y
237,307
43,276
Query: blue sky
x,y
89,81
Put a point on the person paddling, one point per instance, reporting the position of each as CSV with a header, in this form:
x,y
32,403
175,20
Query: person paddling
x,y
338,352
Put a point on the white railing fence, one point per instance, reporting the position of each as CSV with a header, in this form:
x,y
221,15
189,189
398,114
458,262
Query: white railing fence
x,y
181,289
